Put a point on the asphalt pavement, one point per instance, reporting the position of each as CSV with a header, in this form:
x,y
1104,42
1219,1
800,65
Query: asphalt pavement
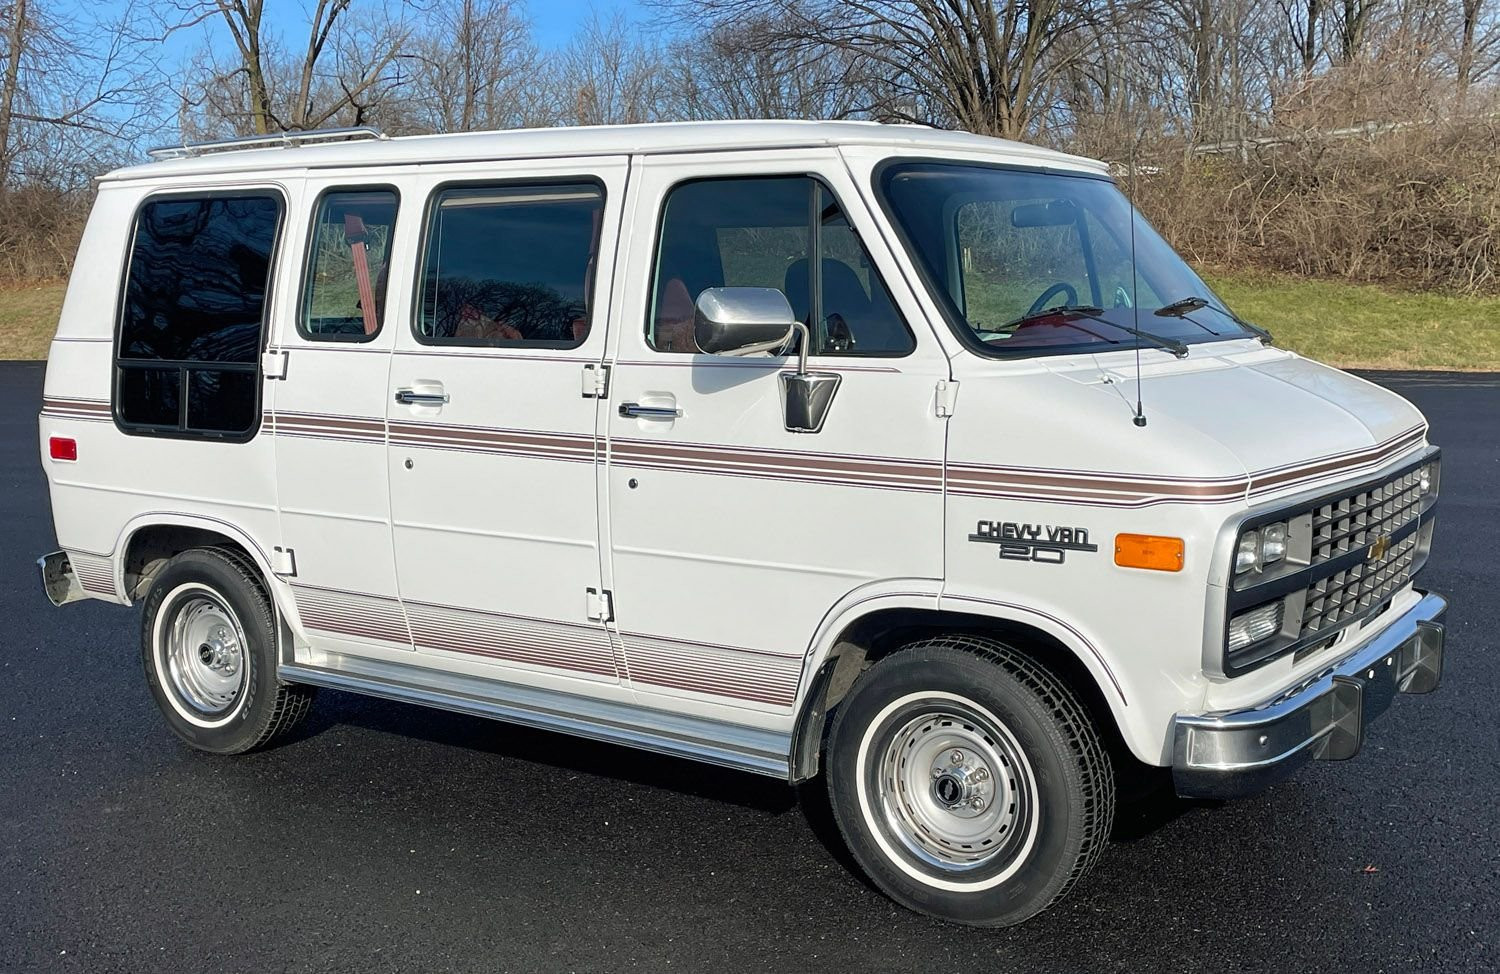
x,y
385,837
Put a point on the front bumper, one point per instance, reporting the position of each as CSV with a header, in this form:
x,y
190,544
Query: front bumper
x,y
1228,755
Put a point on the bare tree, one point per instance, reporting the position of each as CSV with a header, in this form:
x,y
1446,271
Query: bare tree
x,y
606,76
474,68
264,88
74,89
981,65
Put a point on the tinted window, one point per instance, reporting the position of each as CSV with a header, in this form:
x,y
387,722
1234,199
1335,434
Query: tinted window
x,y
510,265
192,314
762,232
348,265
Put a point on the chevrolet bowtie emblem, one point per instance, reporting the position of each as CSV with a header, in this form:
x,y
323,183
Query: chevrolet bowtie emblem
x,y
1379,548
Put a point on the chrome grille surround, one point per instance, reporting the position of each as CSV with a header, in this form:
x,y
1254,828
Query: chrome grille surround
x,y
1349,552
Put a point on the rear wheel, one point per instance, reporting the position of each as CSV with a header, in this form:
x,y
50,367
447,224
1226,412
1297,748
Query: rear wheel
x,y
208,644
969,782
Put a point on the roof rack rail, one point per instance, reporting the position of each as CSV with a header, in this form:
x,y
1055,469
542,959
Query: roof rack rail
x,y
293,138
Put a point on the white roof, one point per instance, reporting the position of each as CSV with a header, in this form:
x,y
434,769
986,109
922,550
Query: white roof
x,y
602,140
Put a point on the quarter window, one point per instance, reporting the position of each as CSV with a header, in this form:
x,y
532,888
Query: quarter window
x,y
510,266
764,232
193,313
348,266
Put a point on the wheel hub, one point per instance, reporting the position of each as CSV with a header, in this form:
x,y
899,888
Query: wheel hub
x,y
202,651
956,791
962,783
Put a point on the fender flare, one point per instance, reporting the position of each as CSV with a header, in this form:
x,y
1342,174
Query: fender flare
x,y
204,522
927,595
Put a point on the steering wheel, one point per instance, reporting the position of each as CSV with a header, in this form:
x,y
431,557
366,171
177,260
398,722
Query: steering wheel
x,y
1045,301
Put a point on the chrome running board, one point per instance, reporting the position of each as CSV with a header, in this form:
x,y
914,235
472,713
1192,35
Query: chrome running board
x,y
699,739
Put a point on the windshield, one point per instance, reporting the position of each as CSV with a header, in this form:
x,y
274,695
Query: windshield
x,y
1037,263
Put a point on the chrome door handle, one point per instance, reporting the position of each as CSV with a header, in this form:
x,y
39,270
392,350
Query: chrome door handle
x,y
649,412
410,397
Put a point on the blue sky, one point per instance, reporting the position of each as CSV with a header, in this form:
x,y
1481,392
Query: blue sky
x,y
553,21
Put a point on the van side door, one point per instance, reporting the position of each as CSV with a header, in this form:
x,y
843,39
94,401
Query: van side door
x,y
334,356
731,537
492,412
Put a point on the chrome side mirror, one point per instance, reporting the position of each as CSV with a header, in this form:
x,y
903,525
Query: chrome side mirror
x,y
742,320
746,320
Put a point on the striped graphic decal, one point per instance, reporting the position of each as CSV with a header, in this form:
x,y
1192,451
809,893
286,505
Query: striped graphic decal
x,y
725,671
342,613
923,476
1048,485
514,639
654,661
95,574
1297,474
86,409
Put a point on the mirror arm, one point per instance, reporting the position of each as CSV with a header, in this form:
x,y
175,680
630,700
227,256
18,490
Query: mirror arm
x,y
804,339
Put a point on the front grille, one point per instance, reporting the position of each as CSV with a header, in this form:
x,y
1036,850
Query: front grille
x,y
1350,523
1347,555
1350,594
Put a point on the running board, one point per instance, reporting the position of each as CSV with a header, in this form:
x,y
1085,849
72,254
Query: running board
x,y
696,738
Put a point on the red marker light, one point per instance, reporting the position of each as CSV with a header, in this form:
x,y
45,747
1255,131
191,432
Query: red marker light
x,y
63,448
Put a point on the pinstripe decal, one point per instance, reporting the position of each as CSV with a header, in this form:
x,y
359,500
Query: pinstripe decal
x,y
86,409
515,639
1038,484
351,614
725,671
95,575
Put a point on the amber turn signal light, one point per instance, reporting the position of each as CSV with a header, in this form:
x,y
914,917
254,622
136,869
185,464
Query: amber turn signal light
x,y
1149,551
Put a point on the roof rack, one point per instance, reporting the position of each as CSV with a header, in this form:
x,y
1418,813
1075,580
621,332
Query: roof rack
x,y
189,149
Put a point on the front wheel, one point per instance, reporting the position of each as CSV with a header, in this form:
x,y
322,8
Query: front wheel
x,y
969,782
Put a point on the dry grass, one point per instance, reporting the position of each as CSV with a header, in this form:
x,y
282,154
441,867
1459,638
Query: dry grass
x,y
1350,325
28,317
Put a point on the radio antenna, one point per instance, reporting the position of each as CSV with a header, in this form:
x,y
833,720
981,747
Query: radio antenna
x,y
1135,302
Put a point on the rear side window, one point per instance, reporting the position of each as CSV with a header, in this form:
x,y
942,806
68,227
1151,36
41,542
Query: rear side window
x,y
343,297
193,314
510,265
782,232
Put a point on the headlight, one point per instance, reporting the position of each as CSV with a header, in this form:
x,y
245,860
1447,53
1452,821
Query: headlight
x,y
1260,548
1262,622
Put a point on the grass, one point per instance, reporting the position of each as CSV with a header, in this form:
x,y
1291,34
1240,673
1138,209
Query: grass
x,y
1350,325
1366,326
28,317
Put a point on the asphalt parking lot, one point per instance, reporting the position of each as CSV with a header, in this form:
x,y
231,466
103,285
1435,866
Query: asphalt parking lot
x,y
391,838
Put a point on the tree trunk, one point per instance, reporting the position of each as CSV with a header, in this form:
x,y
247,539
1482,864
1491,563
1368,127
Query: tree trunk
x,y
15,37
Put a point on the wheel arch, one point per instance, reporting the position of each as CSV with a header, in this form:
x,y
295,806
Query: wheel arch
x,y
149,540
873,627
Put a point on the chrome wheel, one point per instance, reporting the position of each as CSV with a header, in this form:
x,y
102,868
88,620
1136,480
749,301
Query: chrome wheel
x,y
955,789
203,653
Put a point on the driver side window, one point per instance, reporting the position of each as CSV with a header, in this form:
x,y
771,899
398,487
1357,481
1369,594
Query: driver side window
x,y
782,232
1010,259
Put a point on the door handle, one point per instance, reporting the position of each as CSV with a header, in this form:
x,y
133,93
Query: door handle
x,y
638,411
410,397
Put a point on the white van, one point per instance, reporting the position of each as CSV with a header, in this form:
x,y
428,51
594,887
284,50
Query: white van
x,y
907,457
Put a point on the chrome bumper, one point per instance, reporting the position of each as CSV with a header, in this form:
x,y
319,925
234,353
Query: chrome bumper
x,y
58,580
1228,755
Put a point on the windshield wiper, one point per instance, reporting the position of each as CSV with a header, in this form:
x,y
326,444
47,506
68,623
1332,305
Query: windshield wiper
x,y
1097,314
1186,306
